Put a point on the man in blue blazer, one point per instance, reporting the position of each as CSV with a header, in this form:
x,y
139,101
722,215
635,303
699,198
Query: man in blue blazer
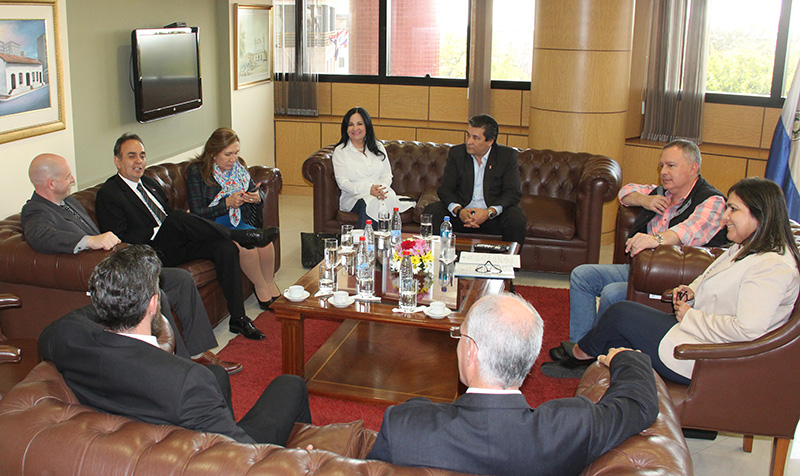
x,y
480,186
135,208
109,357
491,429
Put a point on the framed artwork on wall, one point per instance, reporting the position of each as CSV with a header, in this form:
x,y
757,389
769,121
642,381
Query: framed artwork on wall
x,y
31,83
252,35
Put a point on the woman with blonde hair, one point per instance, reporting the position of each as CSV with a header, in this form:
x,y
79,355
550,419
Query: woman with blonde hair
x,y
220,188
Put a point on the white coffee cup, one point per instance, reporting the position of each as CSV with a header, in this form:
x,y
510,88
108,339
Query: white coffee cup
x,y
437,307
296,291
340,297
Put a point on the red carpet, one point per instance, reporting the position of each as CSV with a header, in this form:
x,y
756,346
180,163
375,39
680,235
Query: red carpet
x,y
262,362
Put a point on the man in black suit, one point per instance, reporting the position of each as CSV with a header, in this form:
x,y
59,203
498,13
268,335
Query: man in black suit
x,y
54,222
135,208
110,359
480,186
491,429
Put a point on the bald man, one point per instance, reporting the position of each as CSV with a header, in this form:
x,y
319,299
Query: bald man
x,y
491,429
54,222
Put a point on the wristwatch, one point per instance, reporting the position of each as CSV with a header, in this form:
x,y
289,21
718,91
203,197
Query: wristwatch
x,y
492,212
659,238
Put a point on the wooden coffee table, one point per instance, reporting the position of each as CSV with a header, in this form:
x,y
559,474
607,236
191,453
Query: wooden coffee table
x,y
378,354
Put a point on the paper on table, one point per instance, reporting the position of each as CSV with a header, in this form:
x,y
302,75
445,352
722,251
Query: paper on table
x,y
496,259
469,270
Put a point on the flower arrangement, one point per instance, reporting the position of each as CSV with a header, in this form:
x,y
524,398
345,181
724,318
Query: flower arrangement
x,y
421,256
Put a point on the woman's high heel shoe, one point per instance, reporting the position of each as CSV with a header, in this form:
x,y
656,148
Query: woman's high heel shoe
x,y
265,305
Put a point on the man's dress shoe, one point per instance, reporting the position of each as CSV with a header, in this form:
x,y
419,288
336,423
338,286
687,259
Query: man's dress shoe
x,y
210,358
245,327
255,238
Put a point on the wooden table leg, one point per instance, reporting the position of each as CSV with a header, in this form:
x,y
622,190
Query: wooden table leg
x,y
292,345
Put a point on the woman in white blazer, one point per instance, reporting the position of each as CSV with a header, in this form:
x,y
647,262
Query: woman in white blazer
x,y
747,292
362,170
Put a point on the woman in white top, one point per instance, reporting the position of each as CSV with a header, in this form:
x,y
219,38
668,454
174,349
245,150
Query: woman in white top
x,y
747,292
362,170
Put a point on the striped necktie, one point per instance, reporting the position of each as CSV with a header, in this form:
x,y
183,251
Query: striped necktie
x,y
157,212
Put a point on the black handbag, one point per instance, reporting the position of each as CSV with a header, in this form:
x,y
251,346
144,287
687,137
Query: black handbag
x,y
312,247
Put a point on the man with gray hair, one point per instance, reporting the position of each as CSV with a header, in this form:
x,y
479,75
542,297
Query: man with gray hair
x,y
684,210
491,429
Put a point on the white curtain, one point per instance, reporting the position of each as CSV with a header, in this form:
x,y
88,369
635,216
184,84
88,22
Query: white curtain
x,y
676,77
295,83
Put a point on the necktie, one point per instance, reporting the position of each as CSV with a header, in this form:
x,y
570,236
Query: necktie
x,y
157,213
72,211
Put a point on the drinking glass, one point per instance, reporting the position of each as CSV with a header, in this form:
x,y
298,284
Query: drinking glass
x,y
347,238
384,217
327,278
408,296
331,244
426,226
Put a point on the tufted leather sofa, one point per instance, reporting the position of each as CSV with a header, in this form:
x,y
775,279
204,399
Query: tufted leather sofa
x,y
562,197
50,285
44,430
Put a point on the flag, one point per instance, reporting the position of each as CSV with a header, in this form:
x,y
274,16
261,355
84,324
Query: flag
x,y
783,164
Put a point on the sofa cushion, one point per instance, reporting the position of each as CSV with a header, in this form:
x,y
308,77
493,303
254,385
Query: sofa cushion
x,y
429,195
346,439
549,217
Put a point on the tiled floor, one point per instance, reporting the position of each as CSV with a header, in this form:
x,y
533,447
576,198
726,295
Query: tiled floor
x,y
723,456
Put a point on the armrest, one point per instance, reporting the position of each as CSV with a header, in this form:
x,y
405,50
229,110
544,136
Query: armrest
x,y
604,170
10,354
318,169
625,218
667,266
9,301
270,181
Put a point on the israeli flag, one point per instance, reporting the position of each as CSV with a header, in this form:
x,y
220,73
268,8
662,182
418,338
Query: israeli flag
x,y
783,164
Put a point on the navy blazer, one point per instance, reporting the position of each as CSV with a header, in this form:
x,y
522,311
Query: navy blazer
x,y
501,182
125,376
502,435
120,210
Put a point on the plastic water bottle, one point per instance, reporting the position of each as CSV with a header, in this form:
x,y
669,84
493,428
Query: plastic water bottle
x,y
365,270
446,228
369,234
408,288
397,227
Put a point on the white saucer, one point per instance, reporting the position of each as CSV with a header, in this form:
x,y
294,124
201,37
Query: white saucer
x,y
428,313
296,299
350,300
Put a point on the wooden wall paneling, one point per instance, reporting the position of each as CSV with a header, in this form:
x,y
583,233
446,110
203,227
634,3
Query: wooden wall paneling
x,y
520,142
733,125
723,171
448,104
756,168
506,107
345,96
404,102
640,165
771,117
330,133
583,24
324,98
641,38
526,108
395,133
441,136
581,81
294,142
594,133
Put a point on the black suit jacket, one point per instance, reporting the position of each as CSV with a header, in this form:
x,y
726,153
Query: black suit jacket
x,y
49,228
125,376
120,210
501,183
502,435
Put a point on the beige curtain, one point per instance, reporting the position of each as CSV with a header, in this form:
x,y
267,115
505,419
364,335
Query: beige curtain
x,y
295,82
676,75
480,59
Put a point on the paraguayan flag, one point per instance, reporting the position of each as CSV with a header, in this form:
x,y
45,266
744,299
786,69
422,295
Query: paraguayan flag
x,y
783,164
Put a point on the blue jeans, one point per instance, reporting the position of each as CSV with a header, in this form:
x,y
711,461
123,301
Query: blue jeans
x,y
587,282
360,208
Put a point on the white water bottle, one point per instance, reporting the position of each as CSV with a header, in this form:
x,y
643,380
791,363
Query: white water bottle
x,y
365,270
446,228
408,288
369,234
396,227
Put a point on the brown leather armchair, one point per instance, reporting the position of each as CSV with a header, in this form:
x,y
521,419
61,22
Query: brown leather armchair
x,y
744,387
562,198
17,356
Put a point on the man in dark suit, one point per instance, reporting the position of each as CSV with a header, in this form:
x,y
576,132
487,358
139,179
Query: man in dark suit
x,y
135,208
480,186
491,429
110,359
54,222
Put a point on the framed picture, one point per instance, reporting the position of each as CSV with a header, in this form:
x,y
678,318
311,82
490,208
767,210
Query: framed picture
x,y
252,58
31,83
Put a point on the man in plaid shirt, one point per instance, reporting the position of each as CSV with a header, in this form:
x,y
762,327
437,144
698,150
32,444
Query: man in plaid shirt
x,y
683,210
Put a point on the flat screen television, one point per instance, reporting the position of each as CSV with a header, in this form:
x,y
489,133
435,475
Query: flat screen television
x,y
166,72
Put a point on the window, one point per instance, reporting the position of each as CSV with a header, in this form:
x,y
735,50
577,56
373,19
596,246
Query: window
x,y
512,40
751,53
